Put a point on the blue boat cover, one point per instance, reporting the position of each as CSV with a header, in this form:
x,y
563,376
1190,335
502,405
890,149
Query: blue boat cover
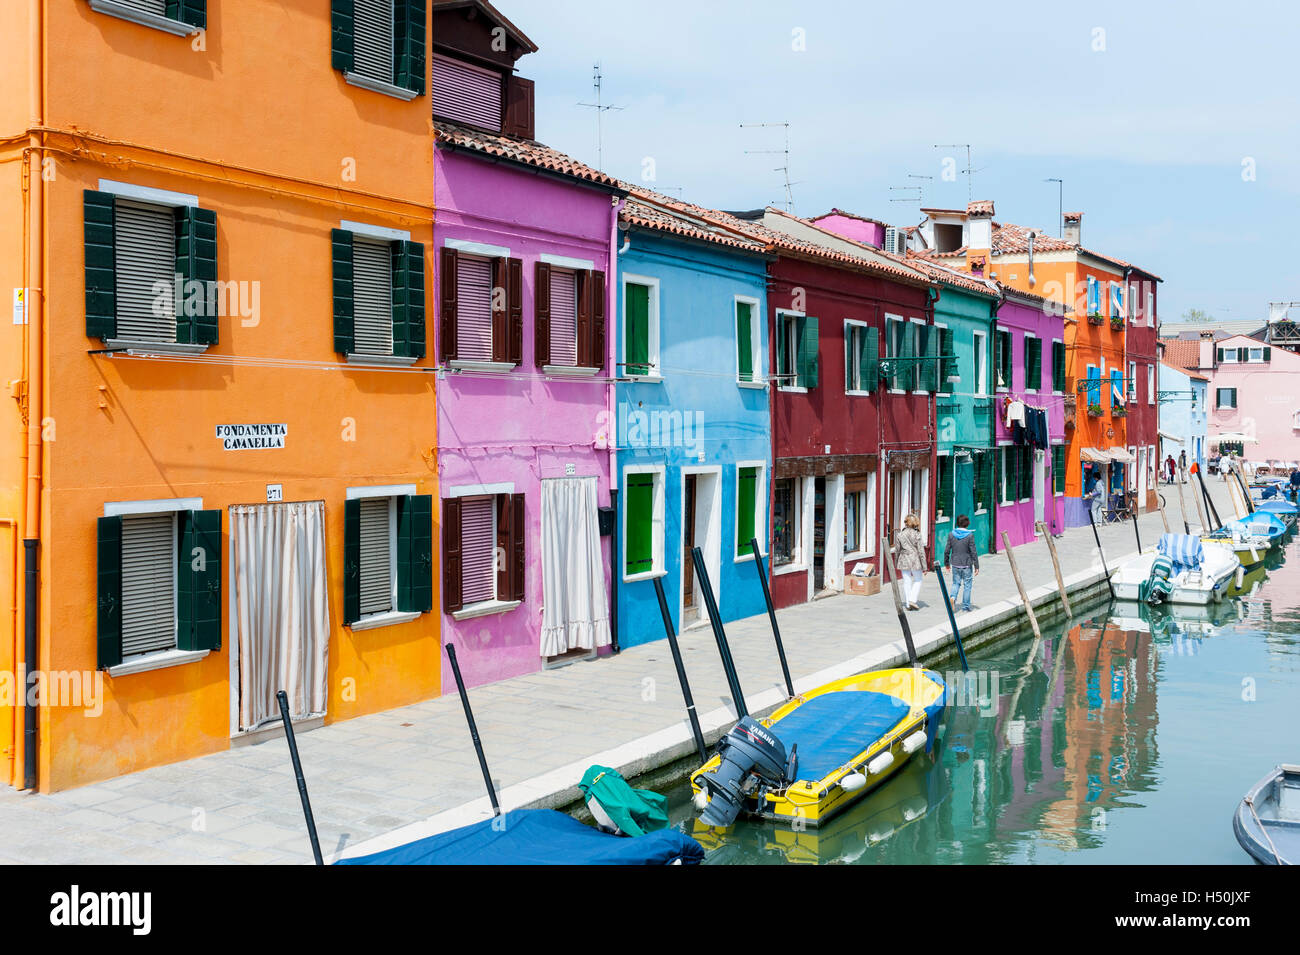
x,y
1183,549
1277,507
538,837
1259,524
832,728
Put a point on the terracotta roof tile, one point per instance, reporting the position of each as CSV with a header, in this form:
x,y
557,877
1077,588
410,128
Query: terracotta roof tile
x,y
980,207
651,210
1012,239
523,151
1181,354
1186,371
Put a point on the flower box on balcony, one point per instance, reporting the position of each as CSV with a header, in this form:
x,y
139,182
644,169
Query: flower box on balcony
x,y
1117,324
1096,318
1095,411
1120,412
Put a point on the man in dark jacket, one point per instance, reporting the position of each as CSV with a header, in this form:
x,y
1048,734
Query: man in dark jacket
x,y
963,557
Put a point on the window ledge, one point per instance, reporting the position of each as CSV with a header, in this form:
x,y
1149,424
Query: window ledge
x,y
484,608
797,389
654,378
135,347
467,364
857,393
790,569
858,555
379,86
143,17
388,619
575,371
756,385
380,360
745,558
156,661
644,575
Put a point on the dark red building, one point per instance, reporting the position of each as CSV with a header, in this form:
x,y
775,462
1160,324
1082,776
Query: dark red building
x,y
1141,360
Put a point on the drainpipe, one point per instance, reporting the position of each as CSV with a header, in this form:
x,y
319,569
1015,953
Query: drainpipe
x,y
33,264
994,308
611,404
932,296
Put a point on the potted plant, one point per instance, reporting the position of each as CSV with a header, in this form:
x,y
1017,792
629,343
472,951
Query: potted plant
x,y
1096,318
1117,322
1095,411
1119,411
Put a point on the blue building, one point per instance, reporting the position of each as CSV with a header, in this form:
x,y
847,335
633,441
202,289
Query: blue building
x,y
693,426
1184,417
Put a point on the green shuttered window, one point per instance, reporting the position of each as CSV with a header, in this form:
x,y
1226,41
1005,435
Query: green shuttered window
x,y
159,584
381,40
639,537
378,294
636,328
797,362
1058,366
383,535
861,358
949,373
1033,364
746,342
1002,359
1058,468
746,510
944,499
983,480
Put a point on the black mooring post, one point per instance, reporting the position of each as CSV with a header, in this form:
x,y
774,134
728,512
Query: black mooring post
x,y
898,604
614,646
1100,553
1209,504
283,700
771,613
711,605
473,730
1136,532
1250,505
952,618
671,634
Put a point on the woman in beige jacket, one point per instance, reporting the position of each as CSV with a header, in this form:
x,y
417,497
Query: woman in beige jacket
x,y
910,550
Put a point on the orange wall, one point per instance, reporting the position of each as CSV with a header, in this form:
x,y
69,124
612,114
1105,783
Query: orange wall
x,y
263,100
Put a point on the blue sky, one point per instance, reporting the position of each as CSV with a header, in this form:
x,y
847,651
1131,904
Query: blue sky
x,y
1149,131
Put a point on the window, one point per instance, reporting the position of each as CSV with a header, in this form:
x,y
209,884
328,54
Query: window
x,y
569,321
480,307
159,583
895,347
796,352
1116,301
150,269
1151,307
909,339
1094,298
643,528
1058,468
925,342
1116,388
483,533
749,356
1008,485
1003,363
983,479
861,358
787,521
1229,355
1025,472
942,508
467,93
981,365
387,555
1058,367
641,326
171,16
949,370
378,295
1132,381
859,514
1033,363
1256,354
749,507
1225,397
1094,386
379,45
1151,387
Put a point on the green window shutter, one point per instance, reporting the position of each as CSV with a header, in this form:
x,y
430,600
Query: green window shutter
x,y
1058,468
101,266
196,261
344,324
342,34
636,330
415,553
1268,352
640,503
807,357
781,349
869,373
407,299
744,341
1026,472
943,499
1036,364
930,342
108,604
1058,366
351,561
947,366
1243,354
1008,474
1219,352
198,581
983,480
409,44
906,377
193,12
746,496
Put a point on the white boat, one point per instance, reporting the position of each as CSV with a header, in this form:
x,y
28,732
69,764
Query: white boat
x,y
1182,569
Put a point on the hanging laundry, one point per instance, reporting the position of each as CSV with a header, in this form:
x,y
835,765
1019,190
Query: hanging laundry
x,y
1016,413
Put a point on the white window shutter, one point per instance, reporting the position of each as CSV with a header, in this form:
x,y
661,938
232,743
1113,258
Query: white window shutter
x,y
376,556
149,552
372,290
373,39
145,256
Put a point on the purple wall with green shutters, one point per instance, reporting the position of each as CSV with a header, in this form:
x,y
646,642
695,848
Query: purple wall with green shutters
x,y
692,415
513,428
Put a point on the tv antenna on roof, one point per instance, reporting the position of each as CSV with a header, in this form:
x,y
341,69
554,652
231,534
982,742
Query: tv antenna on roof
x,y
969,171
600,108
785,154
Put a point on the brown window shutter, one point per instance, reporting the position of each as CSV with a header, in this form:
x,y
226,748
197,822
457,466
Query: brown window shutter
x,y
505,543
500,327
542,316
515,297
597,319
519,107
447,309
517,550
584,319
451,555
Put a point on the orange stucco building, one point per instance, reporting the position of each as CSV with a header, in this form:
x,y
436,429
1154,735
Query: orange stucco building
x,y
219,486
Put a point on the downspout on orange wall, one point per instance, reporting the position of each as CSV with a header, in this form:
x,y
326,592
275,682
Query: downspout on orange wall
x,y
33,356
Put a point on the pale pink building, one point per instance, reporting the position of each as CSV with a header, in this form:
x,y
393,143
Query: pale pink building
x,y
1254,389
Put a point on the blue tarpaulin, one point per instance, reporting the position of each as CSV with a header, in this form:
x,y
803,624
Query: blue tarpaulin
x,y
538,837
1184,550
832,728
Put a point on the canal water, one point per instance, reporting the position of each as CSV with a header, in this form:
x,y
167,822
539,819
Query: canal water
x,y
1128,736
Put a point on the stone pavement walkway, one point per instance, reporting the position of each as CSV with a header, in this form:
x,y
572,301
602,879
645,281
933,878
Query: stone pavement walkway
x,y
375,774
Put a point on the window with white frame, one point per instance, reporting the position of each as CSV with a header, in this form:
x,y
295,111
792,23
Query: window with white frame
x,y
1225,397
1151,385
379,45
378,294
483,521
1228,355
859,515
860,358
787,521
378,562
750,487
564,317
1132,381
797,348
178,19
640,325
749,358
643,522
1256,354
981,365
473,307
483,536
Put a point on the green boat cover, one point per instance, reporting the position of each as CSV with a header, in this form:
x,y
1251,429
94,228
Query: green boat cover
x,y
634,811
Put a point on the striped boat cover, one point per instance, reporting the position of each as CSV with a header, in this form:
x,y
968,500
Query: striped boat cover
x,y
1183,550
1158,584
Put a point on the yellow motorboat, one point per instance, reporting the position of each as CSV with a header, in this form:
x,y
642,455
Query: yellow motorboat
x,y
823,750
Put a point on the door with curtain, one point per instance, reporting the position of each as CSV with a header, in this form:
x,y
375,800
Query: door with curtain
x,y
575,609
280,616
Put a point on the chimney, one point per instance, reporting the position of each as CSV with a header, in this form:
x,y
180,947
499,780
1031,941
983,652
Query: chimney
x,y
1073,224
979,235
1207,350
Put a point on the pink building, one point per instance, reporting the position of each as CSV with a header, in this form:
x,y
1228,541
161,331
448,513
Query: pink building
x,y
1254,389
858,228
1029,325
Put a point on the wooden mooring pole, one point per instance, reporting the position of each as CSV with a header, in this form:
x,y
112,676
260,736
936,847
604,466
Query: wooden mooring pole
x,y
1024,597
1160,502
1056,565
1200,510
1182,506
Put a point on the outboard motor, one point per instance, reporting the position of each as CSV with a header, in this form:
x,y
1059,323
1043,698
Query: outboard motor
x,y
752,761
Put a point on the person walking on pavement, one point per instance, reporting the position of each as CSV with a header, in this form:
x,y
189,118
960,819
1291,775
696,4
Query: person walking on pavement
x,y
910,549
1182,461
961,554
1169,469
